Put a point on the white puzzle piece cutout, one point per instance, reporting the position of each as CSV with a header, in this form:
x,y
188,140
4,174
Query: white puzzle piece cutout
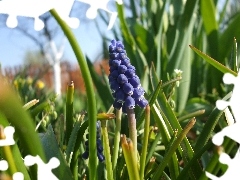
x,y
231,131
36,8
44,170
8,132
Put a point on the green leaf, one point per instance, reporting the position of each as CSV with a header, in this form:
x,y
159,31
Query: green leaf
x,y
51,149
166,137
213,62
69,111
186,149
72,141
208,12
225,39
170,152
208,129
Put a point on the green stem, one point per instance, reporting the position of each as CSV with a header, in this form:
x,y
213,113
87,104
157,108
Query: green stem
x,y
132,129
116,140
106,149
91,105
130,158
69,111
145,142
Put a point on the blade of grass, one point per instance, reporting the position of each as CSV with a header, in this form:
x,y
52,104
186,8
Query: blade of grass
x,y
74,161
234,58
208,12
186,150
91,105
166,138
106,149
116,140
72,139
226,37
145,142
208,129
213,62
185,170
172,149
69,111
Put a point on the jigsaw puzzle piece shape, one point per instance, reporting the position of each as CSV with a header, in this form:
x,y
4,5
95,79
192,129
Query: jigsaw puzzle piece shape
x,y
3,165
44,170
26,8
64,7
8,132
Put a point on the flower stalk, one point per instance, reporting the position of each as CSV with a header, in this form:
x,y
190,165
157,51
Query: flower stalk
x,y
130,158
132,130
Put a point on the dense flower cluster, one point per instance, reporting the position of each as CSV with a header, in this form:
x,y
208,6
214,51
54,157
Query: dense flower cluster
x,y
100,155
124,83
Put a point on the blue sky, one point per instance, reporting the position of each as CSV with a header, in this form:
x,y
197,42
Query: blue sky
x,y
14,45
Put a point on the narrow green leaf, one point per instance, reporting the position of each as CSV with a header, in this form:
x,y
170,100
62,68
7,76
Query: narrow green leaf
x,y
213,62
225,39
186,151
91,105
174,146
106,149
208,12
145,142
69,111
117,132
166,138
196,156
234,58
72,141
74,161
208,129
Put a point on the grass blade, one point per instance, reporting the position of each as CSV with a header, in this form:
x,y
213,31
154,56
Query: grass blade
x,y
174,146
213,62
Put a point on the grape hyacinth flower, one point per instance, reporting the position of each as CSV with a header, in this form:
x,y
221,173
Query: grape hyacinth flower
x,y
100,155
124,82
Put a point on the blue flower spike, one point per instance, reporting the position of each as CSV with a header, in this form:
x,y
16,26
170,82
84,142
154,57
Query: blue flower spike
x,y
124,82
100,155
